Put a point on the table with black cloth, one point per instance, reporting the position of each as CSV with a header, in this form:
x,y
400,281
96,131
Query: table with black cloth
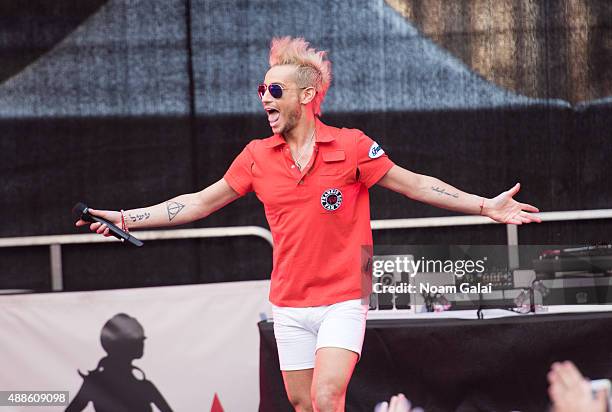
x,y
460,365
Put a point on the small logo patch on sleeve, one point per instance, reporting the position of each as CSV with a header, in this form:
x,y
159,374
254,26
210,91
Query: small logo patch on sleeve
x,y
375,151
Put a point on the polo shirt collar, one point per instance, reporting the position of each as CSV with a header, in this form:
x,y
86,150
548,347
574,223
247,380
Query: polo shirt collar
x,y
275,140
323,134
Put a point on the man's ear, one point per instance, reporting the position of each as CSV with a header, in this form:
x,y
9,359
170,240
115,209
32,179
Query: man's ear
x,y
307,95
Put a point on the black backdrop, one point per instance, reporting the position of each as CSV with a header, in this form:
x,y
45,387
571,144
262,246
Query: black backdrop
x,y
458,365
124,104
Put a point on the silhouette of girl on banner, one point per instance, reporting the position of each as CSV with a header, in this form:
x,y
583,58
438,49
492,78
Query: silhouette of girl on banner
x,y
116,385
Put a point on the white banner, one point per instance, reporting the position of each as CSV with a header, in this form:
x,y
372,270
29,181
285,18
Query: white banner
x,y
175,347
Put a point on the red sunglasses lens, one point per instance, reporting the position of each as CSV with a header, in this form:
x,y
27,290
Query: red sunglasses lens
x,y
261,90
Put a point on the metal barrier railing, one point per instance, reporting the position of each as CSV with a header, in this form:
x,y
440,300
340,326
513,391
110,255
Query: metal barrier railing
x,y
56,241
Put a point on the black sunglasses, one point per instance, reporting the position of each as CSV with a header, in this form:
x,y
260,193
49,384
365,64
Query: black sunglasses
x,y
275,89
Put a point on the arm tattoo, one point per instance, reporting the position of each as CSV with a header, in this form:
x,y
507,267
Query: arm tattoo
x,y
174,208
139,216
443,191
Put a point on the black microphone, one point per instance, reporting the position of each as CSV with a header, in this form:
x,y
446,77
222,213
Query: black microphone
x,y
81,211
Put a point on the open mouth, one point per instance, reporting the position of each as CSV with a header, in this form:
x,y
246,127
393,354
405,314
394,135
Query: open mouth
x,y
273,116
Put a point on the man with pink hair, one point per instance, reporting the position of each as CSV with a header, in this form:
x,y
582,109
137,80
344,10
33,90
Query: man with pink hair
x,y
313,180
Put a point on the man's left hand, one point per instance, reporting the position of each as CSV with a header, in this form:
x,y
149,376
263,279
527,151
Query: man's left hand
x,y
504,209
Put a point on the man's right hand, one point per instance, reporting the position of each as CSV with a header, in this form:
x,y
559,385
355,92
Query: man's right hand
x,y
110,215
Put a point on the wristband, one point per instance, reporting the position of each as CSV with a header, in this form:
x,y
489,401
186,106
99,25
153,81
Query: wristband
x,y
482,206
124,226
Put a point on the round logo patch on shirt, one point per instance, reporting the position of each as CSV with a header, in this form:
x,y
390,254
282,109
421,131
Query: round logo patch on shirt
x,y
375,151
331,199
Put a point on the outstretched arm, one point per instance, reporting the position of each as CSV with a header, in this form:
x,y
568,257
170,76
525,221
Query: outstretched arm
x,y
502,208
176,211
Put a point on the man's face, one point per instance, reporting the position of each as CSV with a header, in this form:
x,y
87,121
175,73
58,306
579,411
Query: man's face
x,y
283,113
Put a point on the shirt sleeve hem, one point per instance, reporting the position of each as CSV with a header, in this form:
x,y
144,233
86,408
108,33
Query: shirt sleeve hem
x,y
235,184
380,172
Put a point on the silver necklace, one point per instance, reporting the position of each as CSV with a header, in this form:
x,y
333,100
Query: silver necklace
x,y
300,154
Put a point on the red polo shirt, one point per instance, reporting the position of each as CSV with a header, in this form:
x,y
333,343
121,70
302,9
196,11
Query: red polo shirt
x,y
319,217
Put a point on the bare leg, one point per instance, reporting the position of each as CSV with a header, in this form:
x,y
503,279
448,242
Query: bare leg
x,y
297,385
333,370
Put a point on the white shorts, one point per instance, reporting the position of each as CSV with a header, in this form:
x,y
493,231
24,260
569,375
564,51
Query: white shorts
x,y
300,332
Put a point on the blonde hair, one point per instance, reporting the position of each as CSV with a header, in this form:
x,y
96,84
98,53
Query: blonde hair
x,y
313,67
